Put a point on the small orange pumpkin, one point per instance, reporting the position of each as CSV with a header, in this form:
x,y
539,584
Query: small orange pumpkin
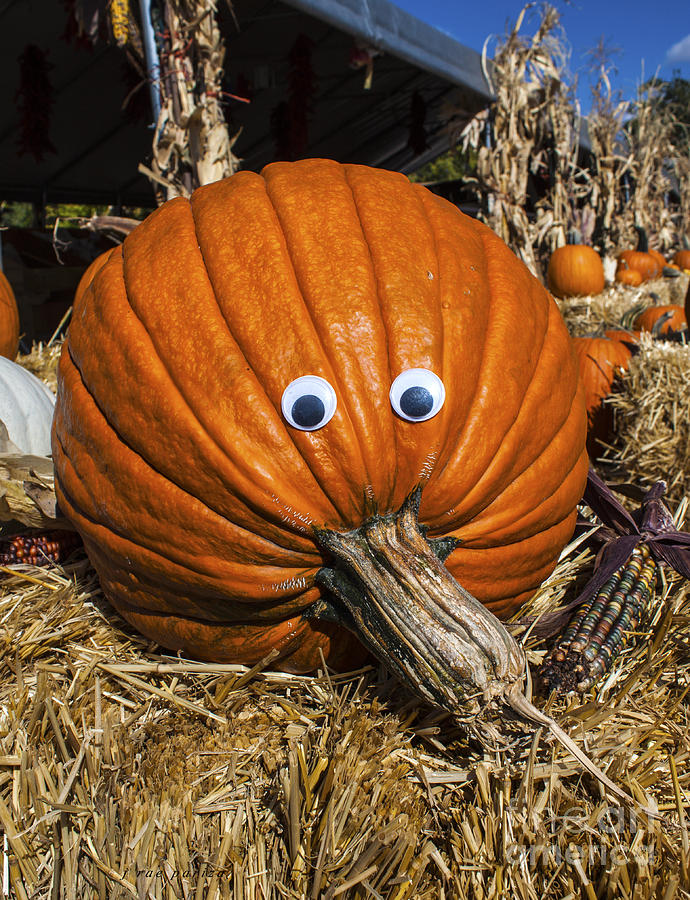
x,y
9,320
628,276
575,270
641,260
661,319
600,360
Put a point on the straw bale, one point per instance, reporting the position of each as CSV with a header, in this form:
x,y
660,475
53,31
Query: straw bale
x,y
42,361
609,309
651,411
125,772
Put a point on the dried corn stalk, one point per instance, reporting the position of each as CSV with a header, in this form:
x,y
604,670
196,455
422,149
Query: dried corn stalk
x,y
560,211
682,217
650,136
191,144
610,162
27,492
531,129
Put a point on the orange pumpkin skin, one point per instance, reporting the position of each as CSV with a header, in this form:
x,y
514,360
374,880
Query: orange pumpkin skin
x,y
600,360
196,499
659,257
649,317
631,277
9,320
90,273
682,258
575,270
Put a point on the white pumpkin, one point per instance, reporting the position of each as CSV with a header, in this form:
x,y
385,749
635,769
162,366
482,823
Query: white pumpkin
x,y
26,408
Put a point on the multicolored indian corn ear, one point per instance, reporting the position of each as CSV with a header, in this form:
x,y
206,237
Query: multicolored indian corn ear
x,y
599,630
45,548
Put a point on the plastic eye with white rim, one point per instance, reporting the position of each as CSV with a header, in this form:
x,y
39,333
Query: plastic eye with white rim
x,y
417,395
308,402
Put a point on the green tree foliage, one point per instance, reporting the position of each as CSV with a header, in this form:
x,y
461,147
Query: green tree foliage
x,y
453,165
17,215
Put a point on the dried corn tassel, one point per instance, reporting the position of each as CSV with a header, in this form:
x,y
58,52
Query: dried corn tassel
x,y
598,631
39,549
119,21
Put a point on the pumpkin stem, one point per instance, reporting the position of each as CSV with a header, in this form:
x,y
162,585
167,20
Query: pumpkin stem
x,y
642,240
406,607
412,614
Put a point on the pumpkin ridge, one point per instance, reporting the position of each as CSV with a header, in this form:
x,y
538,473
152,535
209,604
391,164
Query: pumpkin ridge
x,y
206,588
507,444
239,473
493,532
287,432
300,556
486,238
475,568
247,505
384,329
343,396
458,439
383,204
434,238
549,446
439,217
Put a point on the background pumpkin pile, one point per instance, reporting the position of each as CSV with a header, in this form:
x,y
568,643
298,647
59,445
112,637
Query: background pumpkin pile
x,y
636,402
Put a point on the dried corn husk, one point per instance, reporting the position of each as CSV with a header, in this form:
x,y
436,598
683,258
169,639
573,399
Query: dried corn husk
x,y
191,144
27,491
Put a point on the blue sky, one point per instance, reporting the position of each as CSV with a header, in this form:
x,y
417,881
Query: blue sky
x,y
656,36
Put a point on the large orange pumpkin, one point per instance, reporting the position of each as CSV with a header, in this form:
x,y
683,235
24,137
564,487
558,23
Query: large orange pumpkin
x,y
287,357
575,270
661,319
9,320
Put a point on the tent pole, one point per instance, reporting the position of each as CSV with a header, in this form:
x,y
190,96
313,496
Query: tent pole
x,y
152,61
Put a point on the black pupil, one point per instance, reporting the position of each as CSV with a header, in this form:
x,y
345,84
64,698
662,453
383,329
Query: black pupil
x,y
416,402
308,411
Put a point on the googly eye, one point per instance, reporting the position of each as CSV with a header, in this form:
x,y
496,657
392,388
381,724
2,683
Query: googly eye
x,y
308,402
417,395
